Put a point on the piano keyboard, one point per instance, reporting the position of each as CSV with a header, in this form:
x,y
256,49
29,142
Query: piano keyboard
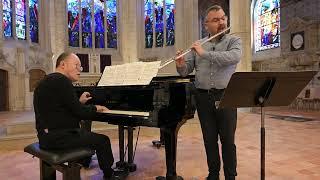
x,y
132,113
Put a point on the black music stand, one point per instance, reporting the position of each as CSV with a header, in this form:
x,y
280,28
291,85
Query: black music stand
x,y
263,89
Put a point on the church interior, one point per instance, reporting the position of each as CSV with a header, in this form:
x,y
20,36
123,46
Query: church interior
x,y
276,35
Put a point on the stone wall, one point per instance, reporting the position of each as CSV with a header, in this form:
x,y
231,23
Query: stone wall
x,y
296,16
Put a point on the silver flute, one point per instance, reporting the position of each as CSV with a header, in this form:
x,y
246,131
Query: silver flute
x,y
190,49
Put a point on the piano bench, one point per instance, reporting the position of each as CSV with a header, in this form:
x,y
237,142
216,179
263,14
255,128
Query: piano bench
x,y
64,161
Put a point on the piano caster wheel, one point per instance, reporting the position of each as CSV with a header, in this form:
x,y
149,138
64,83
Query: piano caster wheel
x,y
157,143
169,178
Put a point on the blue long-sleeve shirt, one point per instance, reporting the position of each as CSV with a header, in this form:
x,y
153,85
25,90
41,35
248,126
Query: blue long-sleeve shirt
x,y
215,67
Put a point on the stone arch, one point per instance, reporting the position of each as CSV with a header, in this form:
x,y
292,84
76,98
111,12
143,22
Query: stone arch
x,y
35,75
4,90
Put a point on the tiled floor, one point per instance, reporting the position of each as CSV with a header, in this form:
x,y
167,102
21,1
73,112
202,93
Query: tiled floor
x,y
292,152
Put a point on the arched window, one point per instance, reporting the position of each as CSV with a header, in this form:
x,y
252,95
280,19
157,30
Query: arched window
x,y
34,21
7,18
159,23
20,23
102,14
266,24
20,19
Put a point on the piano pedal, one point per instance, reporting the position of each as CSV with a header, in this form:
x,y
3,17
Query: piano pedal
x,y
169,178
157,143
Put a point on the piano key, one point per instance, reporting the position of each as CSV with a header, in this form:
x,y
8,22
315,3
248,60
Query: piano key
x,y
132,113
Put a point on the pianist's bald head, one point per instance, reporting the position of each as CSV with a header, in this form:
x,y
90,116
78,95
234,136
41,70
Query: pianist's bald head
x,y
62,57
69,64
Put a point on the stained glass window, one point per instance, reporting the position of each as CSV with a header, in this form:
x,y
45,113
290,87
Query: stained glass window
x,y
100,19
86,23
73,22
158,13
170,11
148,20
266,24
99,23
21,19
159,21
7,18
34,21
112,23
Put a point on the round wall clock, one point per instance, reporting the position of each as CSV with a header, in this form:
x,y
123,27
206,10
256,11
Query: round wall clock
x,y
297,41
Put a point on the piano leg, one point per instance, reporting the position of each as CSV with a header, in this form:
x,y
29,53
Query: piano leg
x,y
132,167
170,139
128,166
121,163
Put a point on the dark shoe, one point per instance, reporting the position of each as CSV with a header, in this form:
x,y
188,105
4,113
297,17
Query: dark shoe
x,y
212,177
230,178
113,177
158,144
85,162
118,174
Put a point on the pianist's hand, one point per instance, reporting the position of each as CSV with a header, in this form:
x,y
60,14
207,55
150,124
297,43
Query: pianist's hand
x,y
85,97
101,108
180,62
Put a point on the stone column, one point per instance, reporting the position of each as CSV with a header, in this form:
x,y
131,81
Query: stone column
x,y
187,23
240,23
20,82
58,28
128,42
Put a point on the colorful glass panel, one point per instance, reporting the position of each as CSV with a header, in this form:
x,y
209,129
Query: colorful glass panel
x,y
170,27
158,12
148,23
34,21
21,19
112,24
267,24
73,22
86,23
99,23
7,18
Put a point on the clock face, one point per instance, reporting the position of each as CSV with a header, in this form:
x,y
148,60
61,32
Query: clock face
x,y
297,41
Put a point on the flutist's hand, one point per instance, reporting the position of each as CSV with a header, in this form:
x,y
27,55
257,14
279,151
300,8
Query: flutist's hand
x,y
198,48
180,62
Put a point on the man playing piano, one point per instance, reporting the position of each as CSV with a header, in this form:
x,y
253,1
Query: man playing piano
x,y
58,111
214,62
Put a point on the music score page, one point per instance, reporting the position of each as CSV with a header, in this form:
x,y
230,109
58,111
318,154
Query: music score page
x,y
136,73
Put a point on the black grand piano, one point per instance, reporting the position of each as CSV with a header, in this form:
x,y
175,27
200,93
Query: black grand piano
x,y
165,103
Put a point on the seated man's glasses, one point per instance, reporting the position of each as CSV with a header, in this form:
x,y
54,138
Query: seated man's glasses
x,y
80,68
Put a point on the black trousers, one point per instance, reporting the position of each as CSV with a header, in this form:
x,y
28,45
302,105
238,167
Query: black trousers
x,y
74,138
217,123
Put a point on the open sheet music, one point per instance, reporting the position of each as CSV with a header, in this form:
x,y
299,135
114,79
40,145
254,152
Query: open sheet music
x,y
136,73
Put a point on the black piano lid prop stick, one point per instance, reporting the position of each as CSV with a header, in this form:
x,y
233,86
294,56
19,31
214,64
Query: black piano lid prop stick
x,y
189,50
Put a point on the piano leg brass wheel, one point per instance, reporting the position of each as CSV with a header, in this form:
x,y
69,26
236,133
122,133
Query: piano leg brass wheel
x,y
169,178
